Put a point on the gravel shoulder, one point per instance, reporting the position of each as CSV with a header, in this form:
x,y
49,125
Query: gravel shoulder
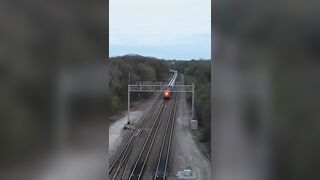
x,y
117,135
186,154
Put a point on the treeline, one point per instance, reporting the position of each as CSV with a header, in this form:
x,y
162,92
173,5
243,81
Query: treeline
x,y
199,73
141,69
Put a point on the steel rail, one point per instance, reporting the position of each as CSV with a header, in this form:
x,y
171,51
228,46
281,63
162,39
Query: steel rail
x,y
164,143
142,124
147,145
128,142
170,139
125,151
122,162
164,139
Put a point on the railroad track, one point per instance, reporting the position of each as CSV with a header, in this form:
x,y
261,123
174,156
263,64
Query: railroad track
x,y
116,168
137,171
140,163
163,159
130,162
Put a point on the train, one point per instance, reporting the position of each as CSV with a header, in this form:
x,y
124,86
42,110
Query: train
x,y
166,93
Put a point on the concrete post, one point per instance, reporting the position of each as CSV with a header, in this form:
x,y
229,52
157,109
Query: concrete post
x,y
192,108
128,99
128,104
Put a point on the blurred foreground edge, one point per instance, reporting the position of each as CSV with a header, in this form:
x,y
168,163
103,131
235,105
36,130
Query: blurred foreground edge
x,y
265,95
54,90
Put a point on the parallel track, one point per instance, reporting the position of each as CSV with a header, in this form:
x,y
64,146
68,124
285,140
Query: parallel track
x,y
122,157
140,163
125,158
138,169
162,165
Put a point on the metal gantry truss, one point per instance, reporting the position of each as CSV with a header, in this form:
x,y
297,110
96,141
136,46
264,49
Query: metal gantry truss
x,y
179,88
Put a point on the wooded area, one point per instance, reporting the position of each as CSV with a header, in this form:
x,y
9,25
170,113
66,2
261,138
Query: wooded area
x,y
152,69
199,73
141,69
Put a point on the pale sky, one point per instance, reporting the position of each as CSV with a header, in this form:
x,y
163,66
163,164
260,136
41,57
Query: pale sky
x,y
170,29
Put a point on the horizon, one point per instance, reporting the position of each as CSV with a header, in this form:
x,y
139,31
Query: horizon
x,y
160,28
159,58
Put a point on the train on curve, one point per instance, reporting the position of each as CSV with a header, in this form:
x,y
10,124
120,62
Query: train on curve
x,y
166,93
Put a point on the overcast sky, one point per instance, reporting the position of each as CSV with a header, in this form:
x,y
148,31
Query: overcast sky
x,y
170,29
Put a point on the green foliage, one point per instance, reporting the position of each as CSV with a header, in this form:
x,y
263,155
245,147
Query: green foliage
x,y
115,104
141,69
199,73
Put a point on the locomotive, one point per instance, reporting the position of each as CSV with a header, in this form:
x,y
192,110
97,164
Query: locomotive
x,y
166,92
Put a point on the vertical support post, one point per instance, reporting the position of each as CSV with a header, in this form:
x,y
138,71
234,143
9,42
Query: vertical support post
x,y
192,108
128,104
129,99
129,79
